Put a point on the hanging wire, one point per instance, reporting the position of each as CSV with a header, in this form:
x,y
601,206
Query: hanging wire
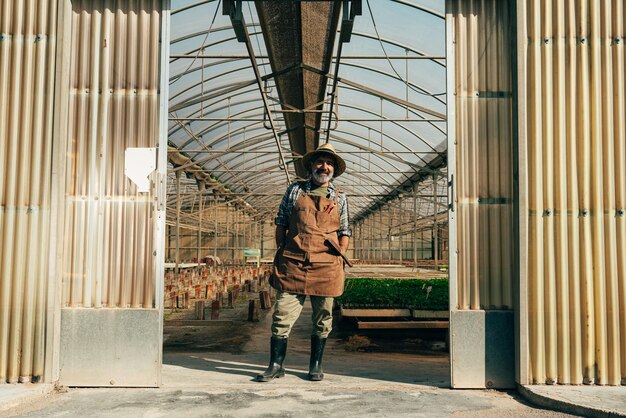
x,y
272,105
382,45
256,37
262,60
200,50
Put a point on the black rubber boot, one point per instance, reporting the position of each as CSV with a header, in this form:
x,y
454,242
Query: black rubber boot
x,y
278,349
317,352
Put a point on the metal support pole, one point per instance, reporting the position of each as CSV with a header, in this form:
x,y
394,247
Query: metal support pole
x,y
363,244
168,230
369,238
200,210
415,227
379,241
389,233
357,241
215,231
266,104
373,237
228,237
372,248
435,228
365,238
227,242
400,234
359,254
236,234
244,242
356,237
261,236
177,268
368,242
333,94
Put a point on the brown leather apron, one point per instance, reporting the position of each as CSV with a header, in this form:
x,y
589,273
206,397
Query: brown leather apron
x,y
309,264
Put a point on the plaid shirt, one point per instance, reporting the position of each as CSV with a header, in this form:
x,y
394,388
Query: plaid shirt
x,y
299,187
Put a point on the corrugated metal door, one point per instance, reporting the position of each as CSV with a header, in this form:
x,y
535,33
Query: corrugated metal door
x,y
110,298
480,150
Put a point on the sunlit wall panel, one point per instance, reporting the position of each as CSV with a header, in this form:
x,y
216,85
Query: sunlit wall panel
x,y
27,55
113,104
483,187
576,145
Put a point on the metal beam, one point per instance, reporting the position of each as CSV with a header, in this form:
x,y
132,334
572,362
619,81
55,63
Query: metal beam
x,y
393,99
252,119
351,57
257,75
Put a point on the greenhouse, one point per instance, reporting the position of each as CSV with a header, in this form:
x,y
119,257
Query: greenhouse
x,y
145,148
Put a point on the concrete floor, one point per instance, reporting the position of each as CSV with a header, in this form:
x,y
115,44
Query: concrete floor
x,y
220,384
209,373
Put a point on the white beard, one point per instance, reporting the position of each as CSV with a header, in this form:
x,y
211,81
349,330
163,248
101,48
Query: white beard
x,y
321,178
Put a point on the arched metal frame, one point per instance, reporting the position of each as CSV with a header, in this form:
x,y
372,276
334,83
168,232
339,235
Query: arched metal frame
x,y
217,117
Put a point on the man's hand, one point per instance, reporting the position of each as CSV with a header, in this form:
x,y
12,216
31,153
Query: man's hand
x,y
344,240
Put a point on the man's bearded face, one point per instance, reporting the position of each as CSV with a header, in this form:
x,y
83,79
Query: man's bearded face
x,y
323,169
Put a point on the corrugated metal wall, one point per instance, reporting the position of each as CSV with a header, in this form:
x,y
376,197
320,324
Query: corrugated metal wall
x,y
484,186
576,144
109,237
27,57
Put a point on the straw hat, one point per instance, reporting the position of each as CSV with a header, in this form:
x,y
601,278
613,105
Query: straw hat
x,y
326,149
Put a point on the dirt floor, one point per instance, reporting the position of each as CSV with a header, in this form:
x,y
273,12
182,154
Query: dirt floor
x,y
232,331
229,333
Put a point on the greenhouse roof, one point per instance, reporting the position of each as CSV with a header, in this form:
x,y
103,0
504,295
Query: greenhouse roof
x,y
381,69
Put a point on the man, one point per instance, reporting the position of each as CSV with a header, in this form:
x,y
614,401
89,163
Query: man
x,y
312,235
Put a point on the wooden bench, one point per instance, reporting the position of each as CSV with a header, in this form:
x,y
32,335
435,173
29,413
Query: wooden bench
x,y
415,319
425,324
